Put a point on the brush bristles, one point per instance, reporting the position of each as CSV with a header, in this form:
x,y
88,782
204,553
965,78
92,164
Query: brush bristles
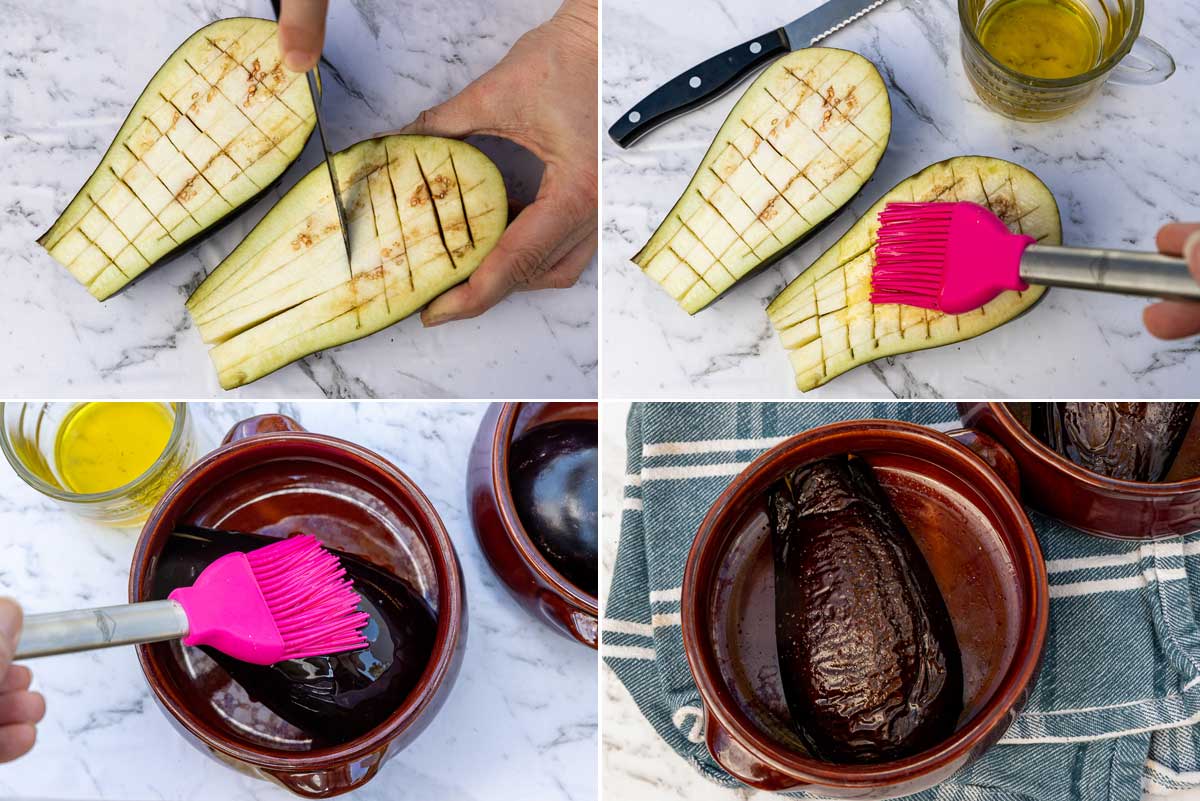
x,y
314,605
910,253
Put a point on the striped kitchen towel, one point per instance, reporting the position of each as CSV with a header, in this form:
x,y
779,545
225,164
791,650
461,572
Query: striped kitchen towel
x,y
1114,714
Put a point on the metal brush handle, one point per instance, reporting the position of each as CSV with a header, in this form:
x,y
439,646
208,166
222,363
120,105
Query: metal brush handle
x,y
1119,271
88,629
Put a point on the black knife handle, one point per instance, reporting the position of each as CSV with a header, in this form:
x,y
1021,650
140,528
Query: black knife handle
x,y
699,85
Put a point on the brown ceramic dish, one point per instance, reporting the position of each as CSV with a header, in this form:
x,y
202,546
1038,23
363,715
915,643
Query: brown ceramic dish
x,y
531,579
273,477
1109,507
983,553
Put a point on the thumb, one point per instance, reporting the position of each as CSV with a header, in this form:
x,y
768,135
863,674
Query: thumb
x,y
10,631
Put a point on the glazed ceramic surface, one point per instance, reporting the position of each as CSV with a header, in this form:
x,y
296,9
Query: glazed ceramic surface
x,y
983,554
1095,503
94,744
529,577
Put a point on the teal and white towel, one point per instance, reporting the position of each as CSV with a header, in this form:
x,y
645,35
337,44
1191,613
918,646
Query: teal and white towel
x,y
1114,714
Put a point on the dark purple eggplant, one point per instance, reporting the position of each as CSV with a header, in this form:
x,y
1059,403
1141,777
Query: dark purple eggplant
x,y
553,470
334,699
1131,441
870,665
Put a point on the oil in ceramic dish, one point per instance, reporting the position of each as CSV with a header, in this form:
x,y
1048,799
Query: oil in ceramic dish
x,y
1041,38
101,446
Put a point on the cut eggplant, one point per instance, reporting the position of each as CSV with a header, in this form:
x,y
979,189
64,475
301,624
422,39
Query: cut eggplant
x,y
217,125
869,661
825,318
796,147
422,213
1131,441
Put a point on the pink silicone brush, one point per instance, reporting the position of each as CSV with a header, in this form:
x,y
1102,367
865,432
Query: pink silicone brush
x,y
955,257
286,600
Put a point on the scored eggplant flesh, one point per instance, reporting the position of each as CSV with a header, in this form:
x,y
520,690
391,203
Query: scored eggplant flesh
x,y
422,214
825,318
796,147
869,661
216,126
1131,441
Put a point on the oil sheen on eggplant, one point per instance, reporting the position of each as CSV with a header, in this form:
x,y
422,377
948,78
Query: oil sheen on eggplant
x,y
1130,441
553,469
870,665
334,699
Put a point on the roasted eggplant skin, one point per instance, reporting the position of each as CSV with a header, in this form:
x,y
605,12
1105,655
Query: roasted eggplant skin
x,y
868,658
1129,441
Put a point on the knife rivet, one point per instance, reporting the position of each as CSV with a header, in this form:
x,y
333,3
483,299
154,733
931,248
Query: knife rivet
x,y
635,116
755,47
694,82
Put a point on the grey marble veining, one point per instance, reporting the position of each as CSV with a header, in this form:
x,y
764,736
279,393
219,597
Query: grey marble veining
x,y
520,722
1120,168
69,72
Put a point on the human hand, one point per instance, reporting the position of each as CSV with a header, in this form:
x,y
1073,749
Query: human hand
x,y
20,709
1174,319
302,32
542,95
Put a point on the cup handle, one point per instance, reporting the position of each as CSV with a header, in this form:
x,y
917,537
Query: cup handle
x,y
993,453
581,626
740,763
261,424
1147,63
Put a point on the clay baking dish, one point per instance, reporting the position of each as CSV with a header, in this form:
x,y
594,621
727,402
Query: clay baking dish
x,y
272,477
1109,507
968,522
529,577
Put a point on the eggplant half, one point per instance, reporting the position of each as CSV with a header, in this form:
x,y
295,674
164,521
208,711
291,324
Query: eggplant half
x,y
870,665
422,214
217,125
1130,441
825,317
797,146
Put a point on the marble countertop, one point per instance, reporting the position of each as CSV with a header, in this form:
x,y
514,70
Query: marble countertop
x,y
70,78
635,761
520,722
1119,168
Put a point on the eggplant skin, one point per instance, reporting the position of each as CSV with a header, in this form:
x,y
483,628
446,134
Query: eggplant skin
x,y
1129,441
870,665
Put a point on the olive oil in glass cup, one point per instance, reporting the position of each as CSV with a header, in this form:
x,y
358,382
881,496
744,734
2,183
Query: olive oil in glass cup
x,y
1036,60
108,462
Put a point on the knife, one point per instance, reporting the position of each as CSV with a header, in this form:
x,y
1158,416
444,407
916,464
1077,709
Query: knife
x,y
314,89
709,80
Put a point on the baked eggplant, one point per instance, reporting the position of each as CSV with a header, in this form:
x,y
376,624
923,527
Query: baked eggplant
x,y
216,126
422,213
1130,441
825,318
333,699
870,665
797,146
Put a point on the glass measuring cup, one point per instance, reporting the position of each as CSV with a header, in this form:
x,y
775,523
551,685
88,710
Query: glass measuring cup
x,y
1126,59
28,435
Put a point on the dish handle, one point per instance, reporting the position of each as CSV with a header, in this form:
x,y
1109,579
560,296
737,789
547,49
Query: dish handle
x,y
740,763
327,783
261,424
578,625
995,455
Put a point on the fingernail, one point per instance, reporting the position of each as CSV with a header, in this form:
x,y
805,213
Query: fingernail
x,y
431,320
1191,247
297,60
10,619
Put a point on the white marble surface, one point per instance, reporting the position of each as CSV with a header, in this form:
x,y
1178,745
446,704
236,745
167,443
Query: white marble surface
x,y
636,763
519,723
1119,168
70,70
